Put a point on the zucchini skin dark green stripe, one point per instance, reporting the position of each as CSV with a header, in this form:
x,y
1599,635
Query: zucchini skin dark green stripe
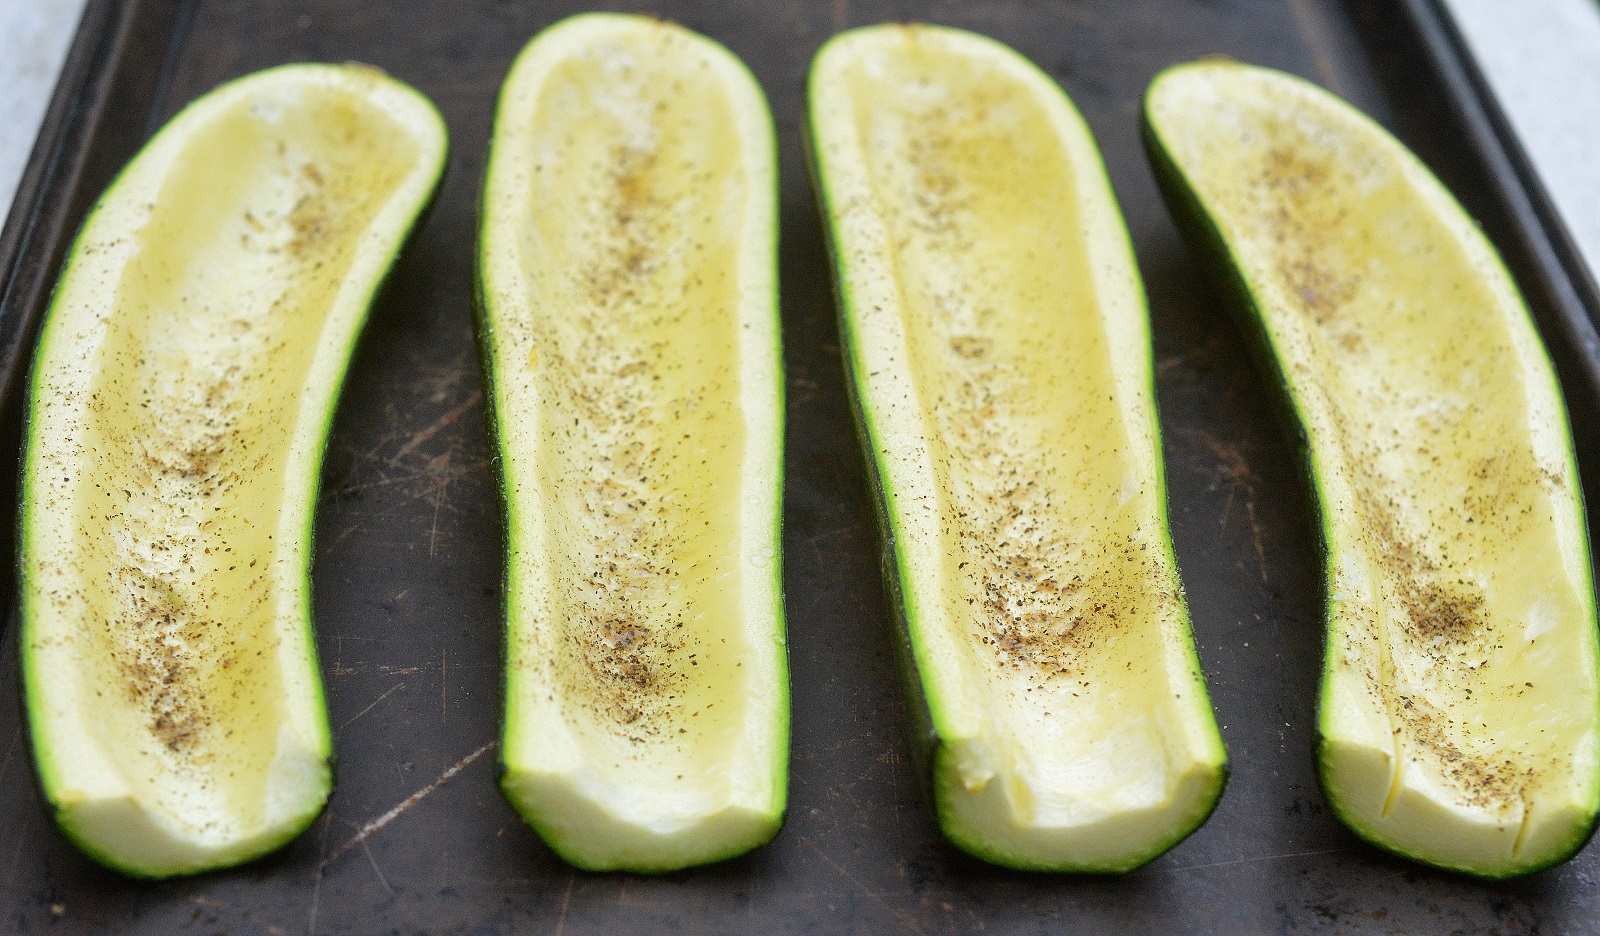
x,y
924,736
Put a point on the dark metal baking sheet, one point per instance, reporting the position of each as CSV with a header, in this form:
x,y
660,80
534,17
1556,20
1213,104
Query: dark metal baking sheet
x,y
417,839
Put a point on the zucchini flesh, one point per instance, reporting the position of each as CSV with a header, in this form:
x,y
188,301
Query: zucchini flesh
x,y
1459,702
629,327
180,403
999,353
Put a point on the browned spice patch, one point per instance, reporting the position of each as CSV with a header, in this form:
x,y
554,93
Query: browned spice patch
x,y
1442,618
162,637
185,455
1483,782
1437,614
310,219
1042,590
1304,226
631,656
1442,613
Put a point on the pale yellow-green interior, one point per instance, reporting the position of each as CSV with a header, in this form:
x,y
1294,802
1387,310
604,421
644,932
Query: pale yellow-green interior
x,y
196,390
1460,702
619,376
1055,577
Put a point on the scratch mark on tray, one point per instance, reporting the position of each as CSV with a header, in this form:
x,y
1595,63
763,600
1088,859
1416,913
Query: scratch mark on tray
x,y
1239,861
444,685
816,540
217,906
439,469
1231,463
385,481
445,480
841,14
16,854
909,923
373,704
433,533
566,904
372,826
429,482
1255,538
1181,362
373,454
375,869
893,757
352,529
438,424
5,766
808,390
1236,471
316,883
389,669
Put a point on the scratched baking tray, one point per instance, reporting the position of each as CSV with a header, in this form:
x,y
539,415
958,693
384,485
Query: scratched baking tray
x,y
417,838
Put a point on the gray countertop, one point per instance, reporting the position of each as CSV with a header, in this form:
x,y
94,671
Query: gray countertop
x,y
1542,58
34,35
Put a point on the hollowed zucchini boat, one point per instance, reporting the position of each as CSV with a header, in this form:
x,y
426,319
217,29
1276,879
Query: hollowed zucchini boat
x,y
630,339
1458,714
999,353
178,413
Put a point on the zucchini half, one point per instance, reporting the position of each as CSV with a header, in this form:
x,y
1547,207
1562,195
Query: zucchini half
x,y
629,328
999,354
179,408
1459,703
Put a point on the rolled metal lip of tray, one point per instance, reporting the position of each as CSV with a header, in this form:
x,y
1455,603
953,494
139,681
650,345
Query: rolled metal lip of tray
x,y
417,838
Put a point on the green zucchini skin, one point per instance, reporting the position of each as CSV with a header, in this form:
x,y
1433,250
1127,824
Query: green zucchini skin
x,y
1203,239
924,736
433,133
1203,235
926,743
934,756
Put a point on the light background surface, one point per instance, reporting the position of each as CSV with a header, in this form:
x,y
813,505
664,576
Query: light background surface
x,y
34,35
1543,59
